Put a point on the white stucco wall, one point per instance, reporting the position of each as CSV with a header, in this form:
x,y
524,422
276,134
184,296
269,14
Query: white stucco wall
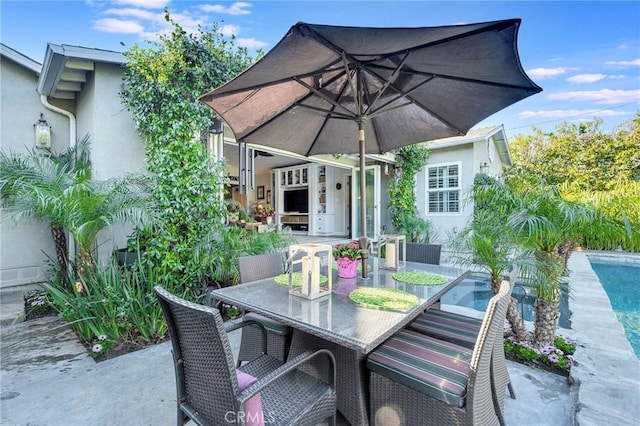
x,y
446,222
24,246
116,148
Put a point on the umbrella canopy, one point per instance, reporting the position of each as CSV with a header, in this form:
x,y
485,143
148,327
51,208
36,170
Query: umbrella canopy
x,y
322,88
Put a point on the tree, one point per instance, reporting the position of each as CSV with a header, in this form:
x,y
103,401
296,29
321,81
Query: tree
x,y
581,154
163,84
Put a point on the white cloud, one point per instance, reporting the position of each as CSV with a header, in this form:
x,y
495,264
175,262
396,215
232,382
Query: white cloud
x,y
147,4
635,62
569,113
603,96
229,30
237,8
586,78
120,26
251,43
136,13
542,73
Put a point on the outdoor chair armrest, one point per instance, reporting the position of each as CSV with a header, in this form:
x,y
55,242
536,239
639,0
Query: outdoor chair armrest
x,y
230,327
290,365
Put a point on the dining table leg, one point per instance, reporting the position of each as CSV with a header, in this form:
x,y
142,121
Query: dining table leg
x,y
352,378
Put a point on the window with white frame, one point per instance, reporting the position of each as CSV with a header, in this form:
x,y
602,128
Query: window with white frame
x,y
443,188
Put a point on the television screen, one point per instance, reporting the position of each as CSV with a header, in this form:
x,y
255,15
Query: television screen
x,y
296,200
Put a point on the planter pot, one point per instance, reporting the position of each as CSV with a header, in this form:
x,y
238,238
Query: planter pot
x,y
233,217
347,268
269,220
127,258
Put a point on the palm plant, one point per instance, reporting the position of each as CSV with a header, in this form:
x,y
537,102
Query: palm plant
x,y
92,206
543,221
487,242
58,189
51,174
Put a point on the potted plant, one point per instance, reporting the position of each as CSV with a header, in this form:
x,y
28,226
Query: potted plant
x,y
268,213
233,211
347,257
137,244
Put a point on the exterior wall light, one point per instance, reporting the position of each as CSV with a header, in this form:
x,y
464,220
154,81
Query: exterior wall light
x,y
43,133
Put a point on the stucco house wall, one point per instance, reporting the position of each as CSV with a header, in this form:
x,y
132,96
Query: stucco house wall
x,y
482,150
24,245
116,149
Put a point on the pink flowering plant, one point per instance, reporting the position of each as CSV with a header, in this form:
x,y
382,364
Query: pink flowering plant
x,y
268,211
558,357
349,251
100,345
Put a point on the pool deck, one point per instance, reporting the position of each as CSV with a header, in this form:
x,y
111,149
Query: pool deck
x,y
607,376
47,378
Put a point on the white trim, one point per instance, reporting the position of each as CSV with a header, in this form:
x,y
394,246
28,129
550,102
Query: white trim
x,y
444,189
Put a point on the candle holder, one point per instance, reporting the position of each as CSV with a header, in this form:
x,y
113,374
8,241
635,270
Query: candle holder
x,y
315,260
392,246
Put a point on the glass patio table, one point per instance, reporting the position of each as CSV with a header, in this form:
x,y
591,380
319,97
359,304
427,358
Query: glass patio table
x,y
336,323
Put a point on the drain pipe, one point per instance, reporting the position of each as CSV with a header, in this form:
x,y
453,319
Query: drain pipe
x,y
71,246
72,119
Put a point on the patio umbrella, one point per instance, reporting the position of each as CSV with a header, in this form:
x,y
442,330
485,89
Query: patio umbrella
x,y
322,88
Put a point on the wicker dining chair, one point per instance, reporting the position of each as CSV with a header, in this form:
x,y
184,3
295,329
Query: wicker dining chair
x,y
424,253
463,330
253,268
418,379
211,391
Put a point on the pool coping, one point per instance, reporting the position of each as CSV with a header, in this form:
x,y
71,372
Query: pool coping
x,y
607,375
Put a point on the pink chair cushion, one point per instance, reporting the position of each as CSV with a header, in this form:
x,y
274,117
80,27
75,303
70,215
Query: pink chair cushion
x,y
253,407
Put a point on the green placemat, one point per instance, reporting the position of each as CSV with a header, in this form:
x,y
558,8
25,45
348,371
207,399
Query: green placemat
x,y
283,279
419,278
387,299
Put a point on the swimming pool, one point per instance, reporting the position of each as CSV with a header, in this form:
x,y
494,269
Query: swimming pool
x,y
475,291
622,284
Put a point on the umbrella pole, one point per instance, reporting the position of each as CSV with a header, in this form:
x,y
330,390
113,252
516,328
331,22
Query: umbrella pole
x,y
364,241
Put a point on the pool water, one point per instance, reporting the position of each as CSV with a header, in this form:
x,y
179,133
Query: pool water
x,y
475,291
622,284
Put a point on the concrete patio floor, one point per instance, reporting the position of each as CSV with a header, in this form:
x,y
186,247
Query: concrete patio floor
x,y
47,378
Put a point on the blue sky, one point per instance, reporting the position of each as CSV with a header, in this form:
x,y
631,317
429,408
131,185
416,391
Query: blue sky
x,y
585,55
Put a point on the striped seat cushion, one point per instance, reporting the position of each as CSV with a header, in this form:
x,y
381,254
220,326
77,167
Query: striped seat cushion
x,y
431,366
449,326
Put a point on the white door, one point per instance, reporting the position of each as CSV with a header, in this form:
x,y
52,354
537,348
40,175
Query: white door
x,y
372,179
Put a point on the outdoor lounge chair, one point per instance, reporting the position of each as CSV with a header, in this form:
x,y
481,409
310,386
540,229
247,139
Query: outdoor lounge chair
x,y
463,330
253,268
424,253
210,391
418,379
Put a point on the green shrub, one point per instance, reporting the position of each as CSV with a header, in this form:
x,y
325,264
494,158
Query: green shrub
x,y
110,306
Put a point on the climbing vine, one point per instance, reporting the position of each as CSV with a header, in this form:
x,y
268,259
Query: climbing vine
x,y
402,198
163,84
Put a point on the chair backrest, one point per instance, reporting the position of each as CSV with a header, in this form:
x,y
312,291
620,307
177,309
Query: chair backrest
x,y
206,378
260,266
479,397
424,253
